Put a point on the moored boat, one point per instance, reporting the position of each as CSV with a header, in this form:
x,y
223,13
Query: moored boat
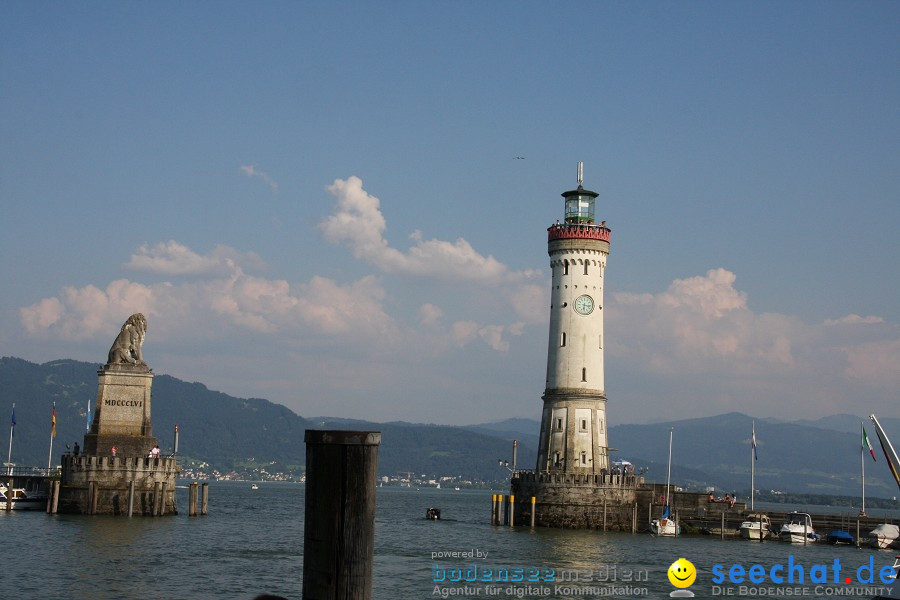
x,y
798,529
837,537
884,536
22,499
756,526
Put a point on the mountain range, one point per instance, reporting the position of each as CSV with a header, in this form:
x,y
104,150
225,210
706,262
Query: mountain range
x,y
812,456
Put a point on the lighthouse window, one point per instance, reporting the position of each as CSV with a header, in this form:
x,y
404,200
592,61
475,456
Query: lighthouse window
x,y
559,424
585,267
584,374
566,268
584,425
562,339
584,458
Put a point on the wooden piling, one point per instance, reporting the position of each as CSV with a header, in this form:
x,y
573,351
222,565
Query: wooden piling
x,y
54,505
512,510
92,498
204,499
9,495
131,498
339,525
192,499
533,500
604,513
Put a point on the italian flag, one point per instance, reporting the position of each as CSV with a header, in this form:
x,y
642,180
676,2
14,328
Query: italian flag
x,y
866,444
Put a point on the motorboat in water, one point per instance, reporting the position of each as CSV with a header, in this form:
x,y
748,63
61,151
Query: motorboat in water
x,y
433,513
23,499
884,536
798,529
756,526
253,486
837,537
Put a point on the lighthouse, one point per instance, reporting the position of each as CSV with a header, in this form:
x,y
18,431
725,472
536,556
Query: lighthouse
x,y
573,423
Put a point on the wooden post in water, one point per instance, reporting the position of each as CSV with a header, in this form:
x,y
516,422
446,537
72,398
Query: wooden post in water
x,y
722,531
9,495
533,510
92,498
512,510
339,531
204,499
604,513
634,518
55,500
192,499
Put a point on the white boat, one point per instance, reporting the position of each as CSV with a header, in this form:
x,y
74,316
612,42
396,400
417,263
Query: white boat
x,y
884,536
253,486
666,526
757,526
22,499
798,529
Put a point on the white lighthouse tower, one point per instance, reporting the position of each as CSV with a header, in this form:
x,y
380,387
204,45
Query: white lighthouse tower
x,y
573,424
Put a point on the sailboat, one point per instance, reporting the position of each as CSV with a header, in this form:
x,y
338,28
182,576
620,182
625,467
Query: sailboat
x,y
885,535
665,525
757,525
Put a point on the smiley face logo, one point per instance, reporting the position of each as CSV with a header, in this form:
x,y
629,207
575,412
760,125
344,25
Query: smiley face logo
x,y
682,573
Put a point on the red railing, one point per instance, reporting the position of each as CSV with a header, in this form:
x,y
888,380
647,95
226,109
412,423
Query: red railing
x,y
565,231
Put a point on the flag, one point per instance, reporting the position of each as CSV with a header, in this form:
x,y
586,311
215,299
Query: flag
x,y
753,442
867,444
53,421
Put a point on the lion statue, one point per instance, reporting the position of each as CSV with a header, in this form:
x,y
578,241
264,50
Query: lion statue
x,y
127,347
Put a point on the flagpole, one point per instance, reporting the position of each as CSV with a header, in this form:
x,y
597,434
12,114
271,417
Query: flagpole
x,y
52,435
12,424
862,465
753,466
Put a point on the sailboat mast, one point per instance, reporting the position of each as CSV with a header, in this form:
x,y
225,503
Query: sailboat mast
x,y
862,467
753,465
12,431
669,468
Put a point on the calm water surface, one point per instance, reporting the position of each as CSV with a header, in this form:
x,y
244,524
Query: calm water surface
x,y
252,542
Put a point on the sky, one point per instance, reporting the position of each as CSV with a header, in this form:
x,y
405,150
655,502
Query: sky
x,y
321,204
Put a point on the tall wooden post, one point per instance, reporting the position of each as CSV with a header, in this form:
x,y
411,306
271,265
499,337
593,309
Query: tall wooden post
x,y
192,499
339,526
204,499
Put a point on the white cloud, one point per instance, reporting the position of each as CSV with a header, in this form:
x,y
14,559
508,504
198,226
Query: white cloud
x,y
359,223
252,171
173,258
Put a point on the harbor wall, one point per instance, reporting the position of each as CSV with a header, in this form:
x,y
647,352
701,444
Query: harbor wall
x,y
116,485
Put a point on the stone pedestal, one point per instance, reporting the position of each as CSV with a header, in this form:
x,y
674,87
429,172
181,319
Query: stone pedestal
x,y
122,416
131,482
608,502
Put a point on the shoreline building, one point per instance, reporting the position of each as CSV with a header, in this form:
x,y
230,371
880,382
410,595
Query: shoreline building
x,y
572,484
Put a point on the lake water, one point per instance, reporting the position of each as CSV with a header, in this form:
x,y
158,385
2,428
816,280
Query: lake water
x,y
252,543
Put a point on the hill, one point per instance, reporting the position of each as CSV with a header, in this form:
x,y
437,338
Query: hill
x,y
248,434
228,433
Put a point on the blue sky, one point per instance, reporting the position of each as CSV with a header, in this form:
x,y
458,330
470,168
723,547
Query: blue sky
x,y
318,203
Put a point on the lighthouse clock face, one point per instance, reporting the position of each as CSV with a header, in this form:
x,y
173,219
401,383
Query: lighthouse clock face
x,y
584,305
